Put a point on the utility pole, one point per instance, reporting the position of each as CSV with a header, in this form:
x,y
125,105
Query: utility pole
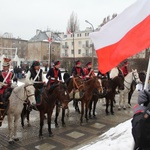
x,y
92,43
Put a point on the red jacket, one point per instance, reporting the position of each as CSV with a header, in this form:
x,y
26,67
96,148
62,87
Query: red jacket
x,y
88,72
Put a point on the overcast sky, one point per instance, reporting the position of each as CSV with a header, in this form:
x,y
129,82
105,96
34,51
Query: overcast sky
x,y
23,17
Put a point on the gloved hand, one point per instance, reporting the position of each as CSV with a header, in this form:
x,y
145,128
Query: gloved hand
x,y
147,114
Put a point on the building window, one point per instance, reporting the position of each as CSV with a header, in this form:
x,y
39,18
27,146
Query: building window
x,y
79,51
87,43
79,43
86,34
72,51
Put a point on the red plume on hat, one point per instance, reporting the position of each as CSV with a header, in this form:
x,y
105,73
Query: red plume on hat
x,y
78,62
6,62
56,63
89,63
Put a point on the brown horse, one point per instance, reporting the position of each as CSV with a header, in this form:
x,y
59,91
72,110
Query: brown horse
x,y
74,85
118,81
89,87
50,97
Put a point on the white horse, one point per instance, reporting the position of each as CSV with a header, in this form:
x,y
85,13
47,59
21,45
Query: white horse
x,y
19,95
129,78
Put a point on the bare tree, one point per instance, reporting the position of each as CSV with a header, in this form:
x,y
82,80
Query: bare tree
x,y
73,24
107,19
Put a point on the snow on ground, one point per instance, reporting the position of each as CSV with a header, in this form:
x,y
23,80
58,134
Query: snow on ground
x,y
117,138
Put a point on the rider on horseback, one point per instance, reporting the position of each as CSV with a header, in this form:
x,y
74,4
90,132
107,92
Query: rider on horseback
x,y
124,68
6,77
88,71
77,70
35,74
54,76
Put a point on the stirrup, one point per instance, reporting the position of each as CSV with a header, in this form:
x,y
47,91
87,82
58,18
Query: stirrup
x,y
34,107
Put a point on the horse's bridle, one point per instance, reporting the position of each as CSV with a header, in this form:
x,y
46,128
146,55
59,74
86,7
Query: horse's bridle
x,y
25,91
134,79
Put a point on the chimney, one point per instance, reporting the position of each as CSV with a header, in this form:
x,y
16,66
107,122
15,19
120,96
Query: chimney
x,y
37,31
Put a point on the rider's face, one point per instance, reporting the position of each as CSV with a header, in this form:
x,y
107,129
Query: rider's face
x,y
37,67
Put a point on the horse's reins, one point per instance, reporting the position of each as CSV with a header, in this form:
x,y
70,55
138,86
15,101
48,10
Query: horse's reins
x,y
76,85
134,78
26,94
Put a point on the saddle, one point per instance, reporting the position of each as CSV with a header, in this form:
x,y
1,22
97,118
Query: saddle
x,y
4,103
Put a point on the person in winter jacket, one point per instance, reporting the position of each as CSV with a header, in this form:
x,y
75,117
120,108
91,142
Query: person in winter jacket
x,y
141,121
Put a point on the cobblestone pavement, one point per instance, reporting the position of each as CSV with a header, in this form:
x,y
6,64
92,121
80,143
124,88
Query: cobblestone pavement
x,y
72,136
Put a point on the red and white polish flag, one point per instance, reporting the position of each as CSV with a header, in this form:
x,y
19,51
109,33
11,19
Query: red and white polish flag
x,y
124,36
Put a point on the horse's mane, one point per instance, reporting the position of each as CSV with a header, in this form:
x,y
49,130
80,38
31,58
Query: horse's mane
x,y
19,88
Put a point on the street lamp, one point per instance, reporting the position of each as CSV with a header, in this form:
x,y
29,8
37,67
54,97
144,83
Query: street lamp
x,y
92,44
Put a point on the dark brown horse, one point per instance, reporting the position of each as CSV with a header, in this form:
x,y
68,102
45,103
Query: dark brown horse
x,y
74,85
112,84
49,99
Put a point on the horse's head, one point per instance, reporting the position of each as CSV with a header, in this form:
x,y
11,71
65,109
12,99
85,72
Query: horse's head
x,y
97,84
29,91
63,95
135,76
120,82
142,76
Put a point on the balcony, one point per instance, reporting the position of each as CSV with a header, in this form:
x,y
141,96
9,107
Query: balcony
x,y
64,55
65,46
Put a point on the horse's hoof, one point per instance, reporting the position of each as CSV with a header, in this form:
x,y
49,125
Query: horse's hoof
x,y
16,139
56,125
29,125
112,113
119,108
11,142
107,113
51,135
63,125
41,137
124,108
129,105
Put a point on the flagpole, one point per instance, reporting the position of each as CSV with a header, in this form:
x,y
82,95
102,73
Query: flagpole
x,y
147,75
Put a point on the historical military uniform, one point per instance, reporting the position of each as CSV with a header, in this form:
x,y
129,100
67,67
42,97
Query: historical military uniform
x,y
54,74
77,69
88,71
35,74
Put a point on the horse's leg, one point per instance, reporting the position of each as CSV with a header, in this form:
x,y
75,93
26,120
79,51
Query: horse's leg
x,y
28,118
10,120
90,107
107,104
49,115
68,112
41,123
82,112
56,115
76,106
94,106
124,100
23,114
16,120
86,110
120,100
63,117
111,106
